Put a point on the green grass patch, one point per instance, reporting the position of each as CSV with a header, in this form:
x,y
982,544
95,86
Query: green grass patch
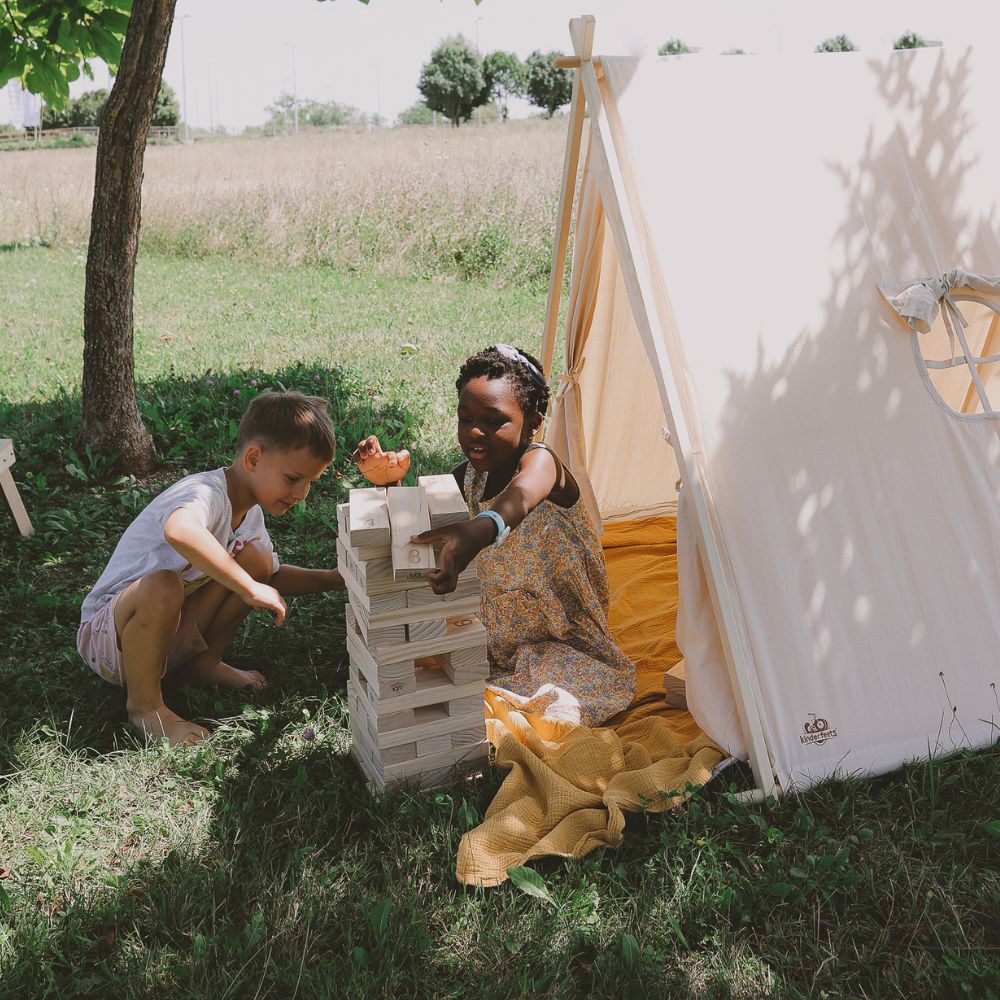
x,y
256,864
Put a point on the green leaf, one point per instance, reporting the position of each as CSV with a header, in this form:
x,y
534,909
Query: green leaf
x,y
379,920
5,903
781,889
530,883
360,957
993,827
631,952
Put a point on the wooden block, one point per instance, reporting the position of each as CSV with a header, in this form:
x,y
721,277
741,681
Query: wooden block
x,y
371,587
472,657
428,747
463,706
433,687
471,672
362,552
422,596
369,517
469,737
462,632
445,502
388,680
464,606
364,570
445,761
408,516
418,631
463,665
430,721
396,755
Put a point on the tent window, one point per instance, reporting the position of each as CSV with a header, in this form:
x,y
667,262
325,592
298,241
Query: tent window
x,y
964,369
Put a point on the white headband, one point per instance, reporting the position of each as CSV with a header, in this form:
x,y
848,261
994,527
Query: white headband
x,y
515,355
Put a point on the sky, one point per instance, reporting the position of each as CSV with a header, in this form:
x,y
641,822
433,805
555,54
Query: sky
x,y
234,57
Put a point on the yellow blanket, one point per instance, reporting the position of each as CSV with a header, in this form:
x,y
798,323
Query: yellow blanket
x,y
569,786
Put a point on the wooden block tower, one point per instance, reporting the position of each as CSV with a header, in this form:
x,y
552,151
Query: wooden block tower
x,y
418,660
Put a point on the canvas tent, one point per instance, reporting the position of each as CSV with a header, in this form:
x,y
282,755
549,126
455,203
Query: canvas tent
x,y
777,296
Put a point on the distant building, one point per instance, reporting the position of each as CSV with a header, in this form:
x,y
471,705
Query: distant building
x,y
18,107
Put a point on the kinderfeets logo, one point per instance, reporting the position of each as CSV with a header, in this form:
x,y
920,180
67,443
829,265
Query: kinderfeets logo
x,y
817,731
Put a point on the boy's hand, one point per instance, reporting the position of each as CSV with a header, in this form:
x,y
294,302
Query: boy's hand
x,y
378,466
460,544
260,595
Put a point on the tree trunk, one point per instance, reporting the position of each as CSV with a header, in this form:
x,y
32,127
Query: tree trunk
x,y
111,421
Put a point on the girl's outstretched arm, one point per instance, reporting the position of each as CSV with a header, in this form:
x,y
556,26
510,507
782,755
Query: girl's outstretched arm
x,y
532,482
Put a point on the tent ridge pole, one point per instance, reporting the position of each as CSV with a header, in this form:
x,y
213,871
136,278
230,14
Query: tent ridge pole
x,y
582,33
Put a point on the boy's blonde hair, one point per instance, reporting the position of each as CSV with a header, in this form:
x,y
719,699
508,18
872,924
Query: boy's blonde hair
x,y
289,421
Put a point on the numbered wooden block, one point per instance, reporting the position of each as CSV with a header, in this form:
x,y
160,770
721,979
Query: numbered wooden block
x,y
369,517
361,552
408,516
445,502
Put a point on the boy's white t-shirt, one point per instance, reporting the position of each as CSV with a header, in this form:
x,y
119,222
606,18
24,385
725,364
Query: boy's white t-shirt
x,y
143,549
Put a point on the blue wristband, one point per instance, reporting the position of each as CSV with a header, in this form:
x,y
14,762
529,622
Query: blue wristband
x,y
502,530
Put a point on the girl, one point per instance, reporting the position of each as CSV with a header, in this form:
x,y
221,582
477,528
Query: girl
x,y
544,587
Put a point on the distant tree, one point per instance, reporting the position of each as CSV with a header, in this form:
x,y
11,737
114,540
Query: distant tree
x,y
416,114
452,82
838,43
735,52
281,114
546,86
911,40
673,47
86,110
53,117
504,75
166,111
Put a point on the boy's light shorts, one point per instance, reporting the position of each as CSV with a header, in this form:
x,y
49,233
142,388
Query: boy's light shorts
x,y
97,641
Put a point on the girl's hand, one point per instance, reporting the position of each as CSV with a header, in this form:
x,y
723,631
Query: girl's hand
x,y
380,467
461,543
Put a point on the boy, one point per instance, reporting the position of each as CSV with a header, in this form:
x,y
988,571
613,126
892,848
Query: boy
x,y
194,563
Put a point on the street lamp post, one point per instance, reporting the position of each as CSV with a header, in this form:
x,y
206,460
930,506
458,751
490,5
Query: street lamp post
x,y
295,89
184,89
479,110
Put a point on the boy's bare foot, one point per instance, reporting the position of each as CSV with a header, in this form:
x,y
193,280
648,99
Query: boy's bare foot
x,y
204,670
159,722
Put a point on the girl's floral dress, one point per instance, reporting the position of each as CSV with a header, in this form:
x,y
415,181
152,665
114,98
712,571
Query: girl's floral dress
x,y
544,595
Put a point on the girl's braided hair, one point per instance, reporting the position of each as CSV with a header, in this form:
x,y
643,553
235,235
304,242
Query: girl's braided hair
x,y
530,388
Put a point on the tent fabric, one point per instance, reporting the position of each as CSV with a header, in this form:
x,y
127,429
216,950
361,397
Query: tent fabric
x,y
569,786
854,504
601,423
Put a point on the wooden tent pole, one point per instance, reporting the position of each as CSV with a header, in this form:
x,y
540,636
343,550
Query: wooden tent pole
x,y
638,281
567,192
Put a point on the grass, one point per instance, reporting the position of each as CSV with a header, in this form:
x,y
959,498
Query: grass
x,y
256,865
453,202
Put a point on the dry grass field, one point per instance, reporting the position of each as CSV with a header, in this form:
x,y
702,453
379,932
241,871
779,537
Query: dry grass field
x,y
413,201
